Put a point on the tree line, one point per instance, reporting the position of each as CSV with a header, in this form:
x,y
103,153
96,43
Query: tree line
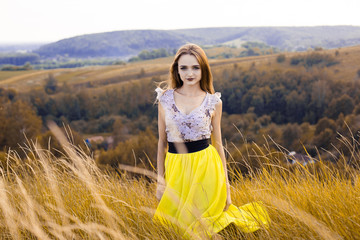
x,y
18,59
298,106
26,61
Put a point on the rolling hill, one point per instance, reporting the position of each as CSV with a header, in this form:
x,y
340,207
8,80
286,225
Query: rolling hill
x,y
112,44
129,43
101,76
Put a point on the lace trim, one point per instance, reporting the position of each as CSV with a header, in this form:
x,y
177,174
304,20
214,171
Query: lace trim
x,y
159,92
187,127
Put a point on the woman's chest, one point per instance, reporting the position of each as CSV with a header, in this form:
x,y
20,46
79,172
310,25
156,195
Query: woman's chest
x,y
197,118
186,105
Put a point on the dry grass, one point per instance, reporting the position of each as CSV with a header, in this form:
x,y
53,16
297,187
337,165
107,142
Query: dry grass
x,y
43,197
20,78
9,74
100,76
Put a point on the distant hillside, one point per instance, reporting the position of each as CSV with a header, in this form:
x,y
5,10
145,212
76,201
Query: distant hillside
x,y
112,44
19,47
129,43
284,38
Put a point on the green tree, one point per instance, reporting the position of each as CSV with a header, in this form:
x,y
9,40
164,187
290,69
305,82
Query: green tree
x,y
18,121
291,136
51,84
324,139
281,58
343,104
324,133
323,124
295,107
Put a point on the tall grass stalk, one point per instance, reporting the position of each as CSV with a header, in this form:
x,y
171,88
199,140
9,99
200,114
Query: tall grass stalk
x,y
44,197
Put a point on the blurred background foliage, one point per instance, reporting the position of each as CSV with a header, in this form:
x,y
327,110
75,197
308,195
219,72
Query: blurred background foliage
x,y
296,100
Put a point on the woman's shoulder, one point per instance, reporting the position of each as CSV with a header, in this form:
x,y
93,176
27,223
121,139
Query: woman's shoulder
x,y
163,94
216,97
159,92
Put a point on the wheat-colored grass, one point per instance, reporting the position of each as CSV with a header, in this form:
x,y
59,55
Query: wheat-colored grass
x,y
43,197
102,76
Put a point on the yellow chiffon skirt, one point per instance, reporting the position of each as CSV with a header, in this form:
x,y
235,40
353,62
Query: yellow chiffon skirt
x,y
195,197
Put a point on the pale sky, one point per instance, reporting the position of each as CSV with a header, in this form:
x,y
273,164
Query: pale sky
x,y
52,20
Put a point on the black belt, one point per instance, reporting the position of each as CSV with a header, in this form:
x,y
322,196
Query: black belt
x,y
188,147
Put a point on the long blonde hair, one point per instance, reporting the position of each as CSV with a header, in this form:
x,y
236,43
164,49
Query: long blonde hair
x,y
206,81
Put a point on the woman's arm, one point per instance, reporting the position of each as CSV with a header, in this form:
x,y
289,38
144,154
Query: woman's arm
x,y
161,151
217,143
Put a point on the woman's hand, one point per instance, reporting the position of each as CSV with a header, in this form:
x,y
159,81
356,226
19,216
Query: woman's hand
x,y
228,199
159,190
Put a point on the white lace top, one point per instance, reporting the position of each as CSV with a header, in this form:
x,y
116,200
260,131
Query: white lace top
x,y
181,127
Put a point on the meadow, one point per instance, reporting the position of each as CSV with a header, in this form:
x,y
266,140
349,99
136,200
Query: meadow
x,y
100,76
53,192
69,197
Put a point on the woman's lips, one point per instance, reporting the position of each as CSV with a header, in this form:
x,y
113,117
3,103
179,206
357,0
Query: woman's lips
x,y
190,79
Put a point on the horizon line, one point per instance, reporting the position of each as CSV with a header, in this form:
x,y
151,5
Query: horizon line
x,y
15,42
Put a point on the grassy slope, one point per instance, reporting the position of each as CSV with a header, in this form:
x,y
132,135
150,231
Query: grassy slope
x,y
70,198
77,201
348,57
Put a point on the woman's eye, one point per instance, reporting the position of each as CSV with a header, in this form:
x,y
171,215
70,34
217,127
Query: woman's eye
x,y
183,68
196,68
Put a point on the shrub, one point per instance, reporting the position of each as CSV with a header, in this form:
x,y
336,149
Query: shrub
x,y
281,58
27,66
296,60
317,58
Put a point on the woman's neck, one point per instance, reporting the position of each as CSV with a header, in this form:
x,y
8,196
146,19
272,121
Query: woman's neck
x,y
190,91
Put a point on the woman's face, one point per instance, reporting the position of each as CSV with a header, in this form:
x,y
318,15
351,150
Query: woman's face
x,y
189,70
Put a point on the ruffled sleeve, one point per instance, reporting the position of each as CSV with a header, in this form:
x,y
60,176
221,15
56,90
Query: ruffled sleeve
x,y
159,93
217,97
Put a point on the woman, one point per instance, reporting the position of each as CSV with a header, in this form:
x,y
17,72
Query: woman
x,y
193,186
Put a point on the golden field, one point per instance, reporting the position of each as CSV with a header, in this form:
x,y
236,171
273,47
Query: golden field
x,y
44,197
105,75
71,197
100,76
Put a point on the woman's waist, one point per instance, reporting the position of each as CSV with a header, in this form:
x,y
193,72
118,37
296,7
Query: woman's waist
x,y
188,146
